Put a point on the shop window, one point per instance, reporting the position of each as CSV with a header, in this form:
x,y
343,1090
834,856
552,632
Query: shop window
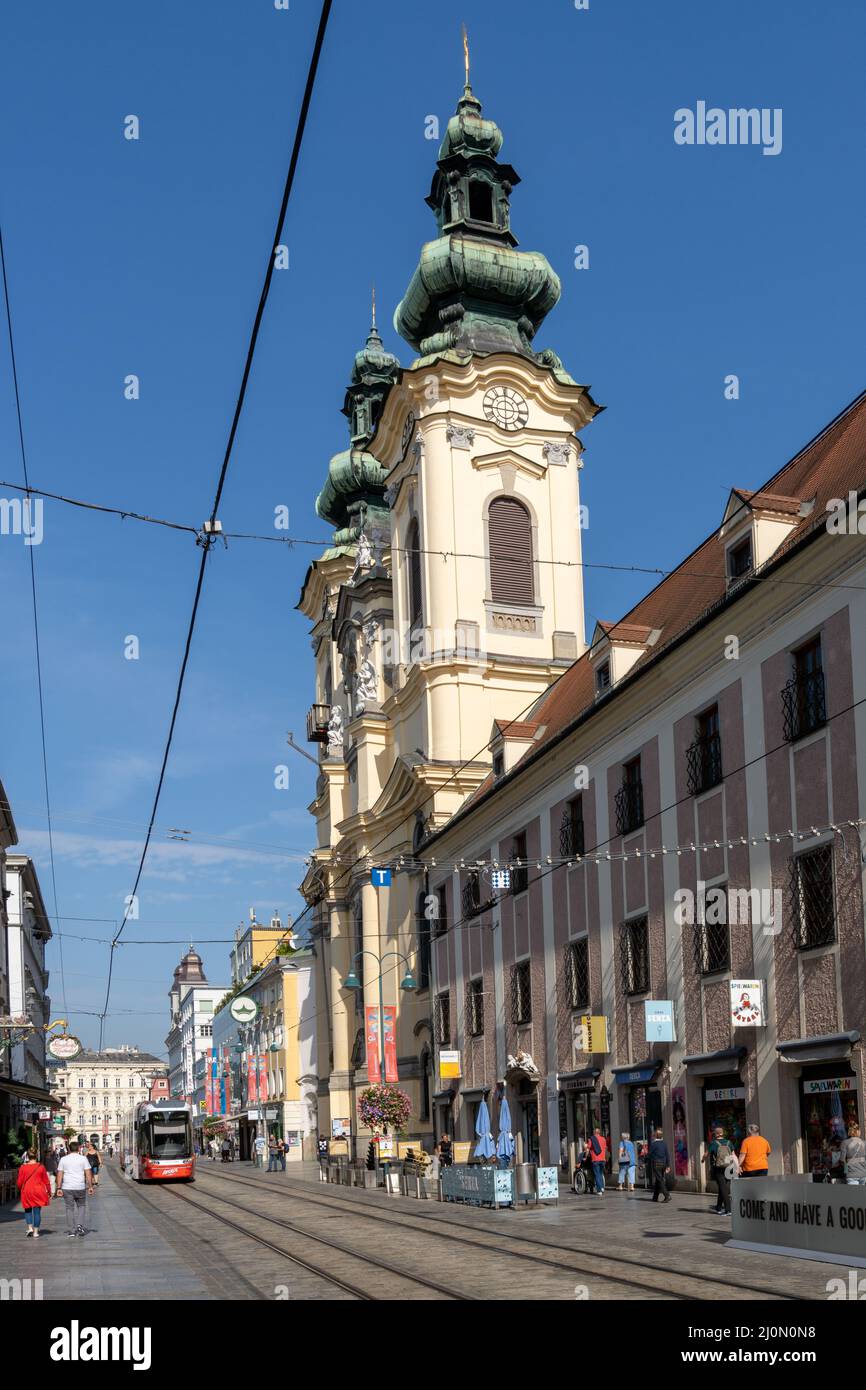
x,y
576,971
814,914
475,1008
634,955
829,1100
521,992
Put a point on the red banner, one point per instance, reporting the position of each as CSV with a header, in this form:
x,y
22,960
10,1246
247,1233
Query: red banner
x,y
263,1077
252,1078
374,1073
389,1032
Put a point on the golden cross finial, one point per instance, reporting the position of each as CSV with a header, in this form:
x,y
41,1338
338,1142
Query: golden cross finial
x,y
466,53
374,306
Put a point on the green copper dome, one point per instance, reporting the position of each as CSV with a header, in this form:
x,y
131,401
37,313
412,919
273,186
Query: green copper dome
x,y
473,291
354,488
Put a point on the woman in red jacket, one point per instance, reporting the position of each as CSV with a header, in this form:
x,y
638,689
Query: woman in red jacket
x,y
35,1188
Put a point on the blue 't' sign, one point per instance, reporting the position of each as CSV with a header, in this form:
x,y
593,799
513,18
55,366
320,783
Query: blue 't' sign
x,y
380,878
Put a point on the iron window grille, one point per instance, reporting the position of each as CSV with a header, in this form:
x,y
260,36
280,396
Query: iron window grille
x,y
472,900
629,802
576,971
704,763
519,869
475,1008
521,993
812,898
634,955
712,938
442,1019
804,707
571,839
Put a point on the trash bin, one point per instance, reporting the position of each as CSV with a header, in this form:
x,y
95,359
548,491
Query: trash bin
x,y
525,1180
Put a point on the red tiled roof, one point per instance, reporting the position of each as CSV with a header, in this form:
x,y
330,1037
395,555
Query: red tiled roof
x,y
770,501
516,728
832,464
627,632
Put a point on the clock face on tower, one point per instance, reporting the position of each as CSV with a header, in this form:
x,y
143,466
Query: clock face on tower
x,y
505,407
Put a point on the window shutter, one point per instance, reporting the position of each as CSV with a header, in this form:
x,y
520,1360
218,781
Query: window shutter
x,y
510,536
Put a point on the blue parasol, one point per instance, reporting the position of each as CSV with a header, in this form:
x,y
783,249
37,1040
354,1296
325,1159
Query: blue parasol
x,y
484,1148
505,1142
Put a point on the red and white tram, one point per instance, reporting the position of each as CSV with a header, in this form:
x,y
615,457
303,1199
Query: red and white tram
x,y
157,1141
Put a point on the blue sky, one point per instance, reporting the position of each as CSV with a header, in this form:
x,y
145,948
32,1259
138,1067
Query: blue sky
x,y
146,257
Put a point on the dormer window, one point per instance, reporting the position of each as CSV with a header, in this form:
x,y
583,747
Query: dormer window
x,y
480,201
498,764
739,560
602,677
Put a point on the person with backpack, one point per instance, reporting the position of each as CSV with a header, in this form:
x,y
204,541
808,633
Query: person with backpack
x,y
722,1163
627,1162
598,1158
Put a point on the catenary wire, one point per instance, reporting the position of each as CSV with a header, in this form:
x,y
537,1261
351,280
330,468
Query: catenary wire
x,y
29,496
206,541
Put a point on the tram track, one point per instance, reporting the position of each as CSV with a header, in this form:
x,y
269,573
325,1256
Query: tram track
x,y
365,1258
673,1283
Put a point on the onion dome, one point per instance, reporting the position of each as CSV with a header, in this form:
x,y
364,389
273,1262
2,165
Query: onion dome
x,y
354,489
191,970
472,290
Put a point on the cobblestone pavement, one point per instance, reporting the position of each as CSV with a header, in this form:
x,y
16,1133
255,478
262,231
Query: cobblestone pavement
x,y
239,1233
680,1238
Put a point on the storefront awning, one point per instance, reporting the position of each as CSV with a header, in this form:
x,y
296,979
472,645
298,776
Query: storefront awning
x,y
584,1080
637,1073
715,1063
37,1093
830,1047
443,1097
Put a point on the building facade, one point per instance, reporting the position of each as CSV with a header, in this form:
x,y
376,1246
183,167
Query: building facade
x,y
626,877
192,1002
260,1076
99,1088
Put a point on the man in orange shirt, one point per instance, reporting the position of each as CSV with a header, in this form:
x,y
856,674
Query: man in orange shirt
x,y
754,1152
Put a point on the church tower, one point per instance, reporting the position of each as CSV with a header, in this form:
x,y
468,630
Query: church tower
x,y
450,597
479,439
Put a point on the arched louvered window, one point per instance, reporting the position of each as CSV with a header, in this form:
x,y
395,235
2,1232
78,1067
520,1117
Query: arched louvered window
x,y
414,555
509,528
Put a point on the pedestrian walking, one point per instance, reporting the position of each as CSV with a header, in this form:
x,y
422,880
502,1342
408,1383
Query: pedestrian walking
x,y
75,1185
282,1148
94,1158
627,1163
660,1165
598,1158
754,1152
225,1150
722,1163
853,1154
34,1187
273,1154
52,1158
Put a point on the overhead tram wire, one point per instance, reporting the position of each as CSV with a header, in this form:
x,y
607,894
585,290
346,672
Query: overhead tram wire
x,y
208,536
320,543
29,495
